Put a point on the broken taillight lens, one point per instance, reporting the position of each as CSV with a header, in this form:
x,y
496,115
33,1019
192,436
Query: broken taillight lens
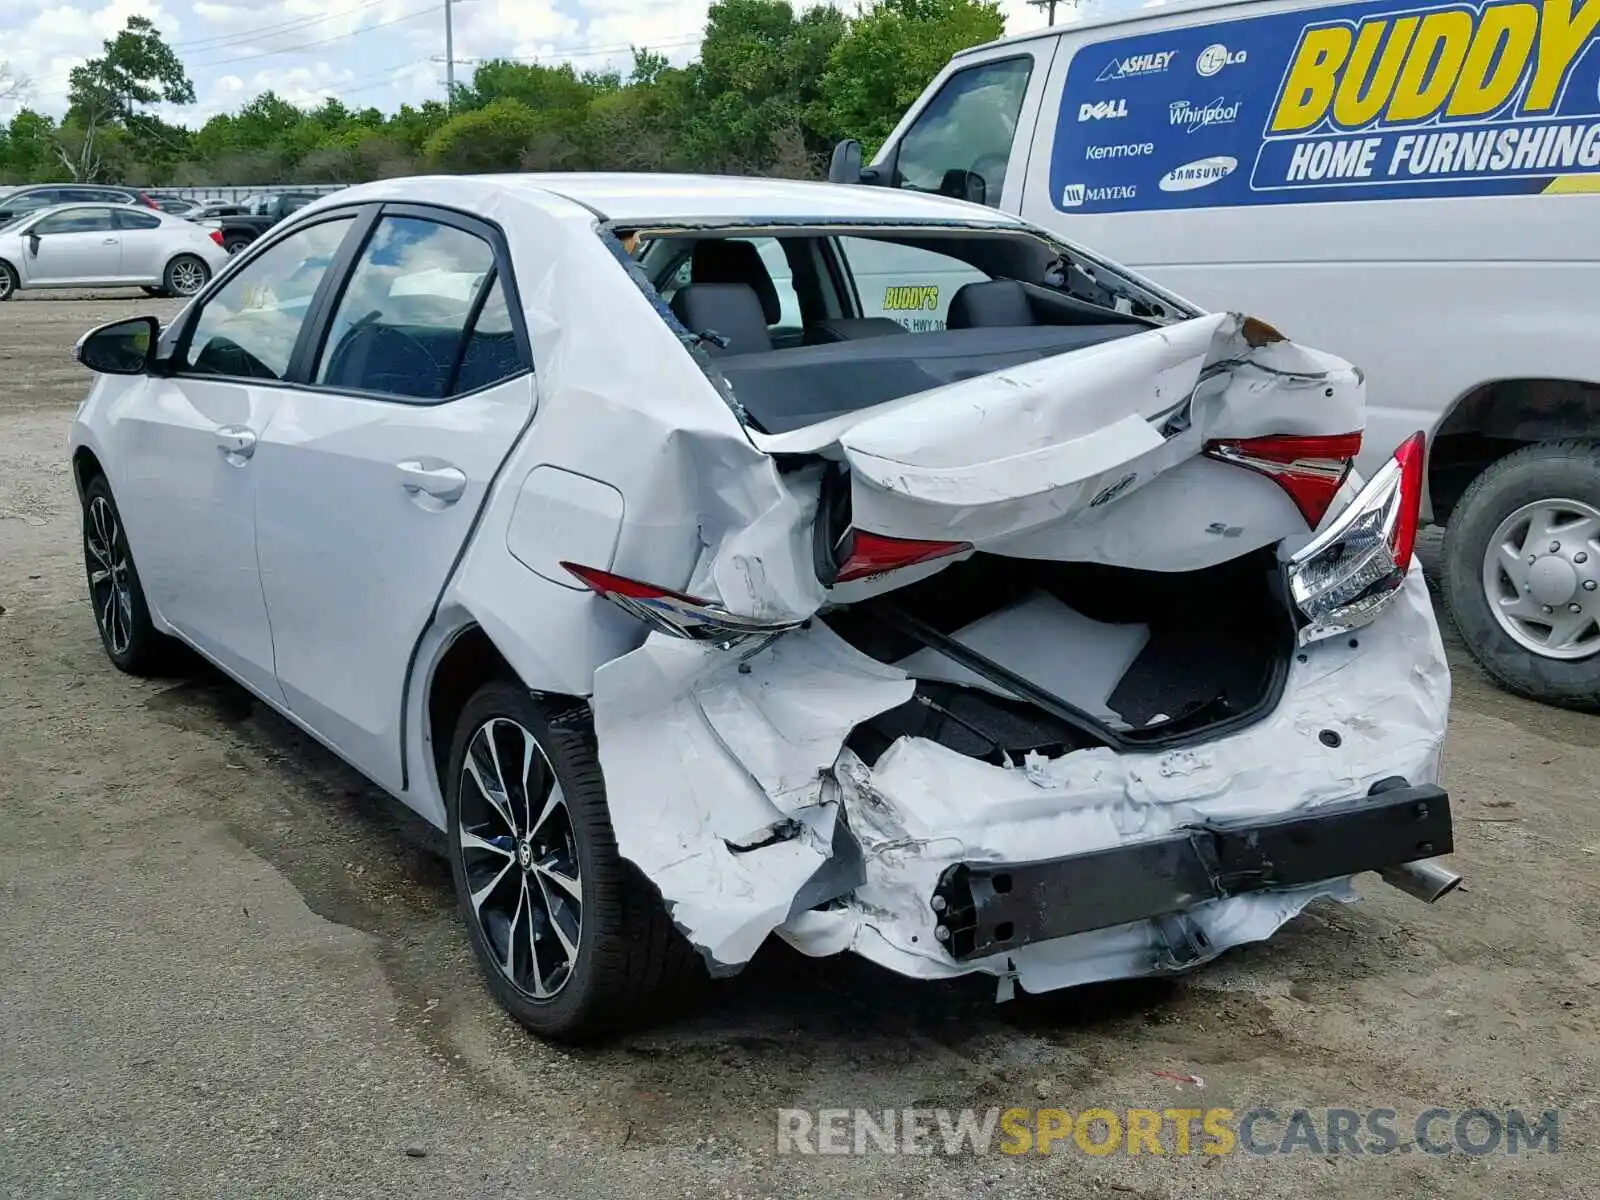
x,y
673,612
874,553
1345,576
1310,469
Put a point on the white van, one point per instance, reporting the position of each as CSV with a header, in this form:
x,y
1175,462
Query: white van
x,y
1413,188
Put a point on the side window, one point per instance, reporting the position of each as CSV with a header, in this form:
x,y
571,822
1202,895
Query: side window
x,y
249,327
968,126
402,325
134,219
76,220
491,353
905,283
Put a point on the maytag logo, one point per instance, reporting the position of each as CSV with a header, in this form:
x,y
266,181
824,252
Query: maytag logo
x,y
1217,56
1137,64
1105,110
1193,117
1202,172
1073,195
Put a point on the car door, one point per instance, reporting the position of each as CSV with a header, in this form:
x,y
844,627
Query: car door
x,y
75,245
370,476
146,245
189,441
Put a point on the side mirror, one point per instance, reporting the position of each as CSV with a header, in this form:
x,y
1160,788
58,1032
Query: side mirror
x,y
120,348
33,245
845,166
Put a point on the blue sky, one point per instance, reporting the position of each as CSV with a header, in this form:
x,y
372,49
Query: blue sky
x,y
377,52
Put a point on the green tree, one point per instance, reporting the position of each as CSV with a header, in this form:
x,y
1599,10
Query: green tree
x,y
491,138
29,155
137,69
887,57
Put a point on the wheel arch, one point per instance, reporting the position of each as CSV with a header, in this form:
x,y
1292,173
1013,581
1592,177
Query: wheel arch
x,y
1493,419
85,466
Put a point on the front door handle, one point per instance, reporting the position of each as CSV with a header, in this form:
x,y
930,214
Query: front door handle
x,y
444,483
109,242
236,442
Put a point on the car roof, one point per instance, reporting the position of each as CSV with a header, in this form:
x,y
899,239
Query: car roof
x,y
108,205
625,198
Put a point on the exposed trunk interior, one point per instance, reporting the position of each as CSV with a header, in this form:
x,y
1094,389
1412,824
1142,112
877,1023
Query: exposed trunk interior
x,y
1112,656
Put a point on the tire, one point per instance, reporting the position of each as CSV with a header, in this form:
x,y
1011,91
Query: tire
x,y
629,959
9,283
116,596
234,243
1526,509
185,276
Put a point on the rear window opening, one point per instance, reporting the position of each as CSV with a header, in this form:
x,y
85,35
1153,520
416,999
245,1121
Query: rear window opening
x,y
804,324
1159,658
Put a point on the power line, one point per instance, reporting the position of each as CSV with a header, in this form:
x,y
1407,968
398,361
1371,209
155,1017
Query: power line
x,y
246,36
338,37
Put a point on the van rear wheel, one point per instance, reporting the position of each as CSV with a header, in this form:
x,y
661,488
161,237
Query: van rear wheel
x,y
1522,572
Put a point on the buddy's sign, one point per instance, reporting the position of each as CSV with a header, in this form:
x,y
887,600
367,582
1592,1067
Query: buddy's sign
x,y
1368,101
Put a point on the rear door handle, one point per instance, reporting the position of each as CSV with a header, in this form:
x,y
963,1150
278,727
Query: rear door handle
x,y
236,442
444,483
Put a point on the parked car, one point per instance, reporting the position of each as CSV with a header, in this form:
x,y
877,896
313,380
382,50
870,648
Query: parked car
x,y
207,210
177,206
1061,644
106,245
1442,238
31,199
261,214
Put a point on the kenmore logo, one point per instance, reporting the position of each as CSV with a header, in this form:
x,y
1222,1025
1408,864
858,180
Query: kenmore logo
x,y
1218,112
1198,174
1131,150
1137,64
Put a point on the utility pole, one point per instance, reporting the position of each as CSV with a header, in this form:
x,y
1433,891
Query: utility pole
x,y
450,56
1048,5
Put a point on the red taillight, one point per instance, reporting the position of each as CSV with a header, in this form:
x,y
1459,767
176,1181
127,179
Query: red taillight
x,y
148,203
216,236
1410,456
875,553
676,613
1350,572
1310,469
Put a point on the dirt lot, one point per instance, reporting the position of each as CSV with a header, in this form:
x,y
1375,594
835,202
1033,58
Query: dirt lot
x,y
230,968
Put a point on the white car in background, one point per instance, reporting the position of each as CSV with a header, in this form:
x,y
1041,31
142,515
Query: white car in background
x,y
107,245
1060,644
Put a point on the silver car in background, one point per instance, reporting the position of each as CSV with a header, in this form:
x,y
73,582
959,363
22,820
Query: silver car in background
x,y
107,245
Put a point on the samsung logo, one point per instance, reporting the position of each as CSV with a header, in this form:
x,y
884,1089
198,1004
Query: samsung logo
x,y
1202,172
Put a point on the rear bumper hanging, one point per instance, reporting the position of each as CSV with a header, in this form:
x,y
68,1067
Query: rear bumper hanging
x,y
985,908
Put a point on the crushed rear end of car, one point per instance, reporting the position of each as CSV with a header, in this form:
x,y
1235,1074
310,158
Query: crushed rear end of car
x,y
1092,665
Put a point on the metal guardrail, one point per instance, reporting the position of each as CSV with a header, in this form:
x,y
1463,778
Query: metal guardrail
x,y
233,193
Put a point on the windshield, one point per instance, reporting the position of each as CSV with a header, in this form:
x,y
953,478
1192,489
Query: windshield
x,y
12,224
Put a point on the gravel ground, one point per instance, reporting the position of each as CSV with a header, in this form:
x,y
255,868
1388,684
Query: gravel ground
x,y
228,967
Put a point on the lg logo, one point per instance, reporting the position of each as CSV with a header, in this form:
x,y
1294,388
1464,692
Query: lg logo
x,y
1104,110
1217,56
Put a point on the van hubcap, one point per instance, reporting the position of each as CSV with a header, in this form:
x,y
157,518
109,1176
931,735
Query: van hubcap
x,y
1541,576
520,857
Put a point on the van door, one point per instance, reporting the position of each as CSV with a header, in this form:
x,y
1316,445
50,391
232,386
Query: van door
x,y
968,121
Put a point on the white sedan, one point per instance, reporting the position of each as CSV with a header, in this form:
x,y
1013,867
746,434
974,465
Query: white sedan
x,y
107,245
1046,635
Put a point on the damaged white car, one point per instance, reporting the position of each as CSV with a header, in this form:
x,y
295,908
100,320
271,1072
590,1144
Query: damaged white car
x,y
1042,632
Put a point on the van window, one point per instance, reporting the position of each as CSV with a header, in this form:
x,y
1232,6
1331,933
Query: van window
x,y
968,126
905,283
